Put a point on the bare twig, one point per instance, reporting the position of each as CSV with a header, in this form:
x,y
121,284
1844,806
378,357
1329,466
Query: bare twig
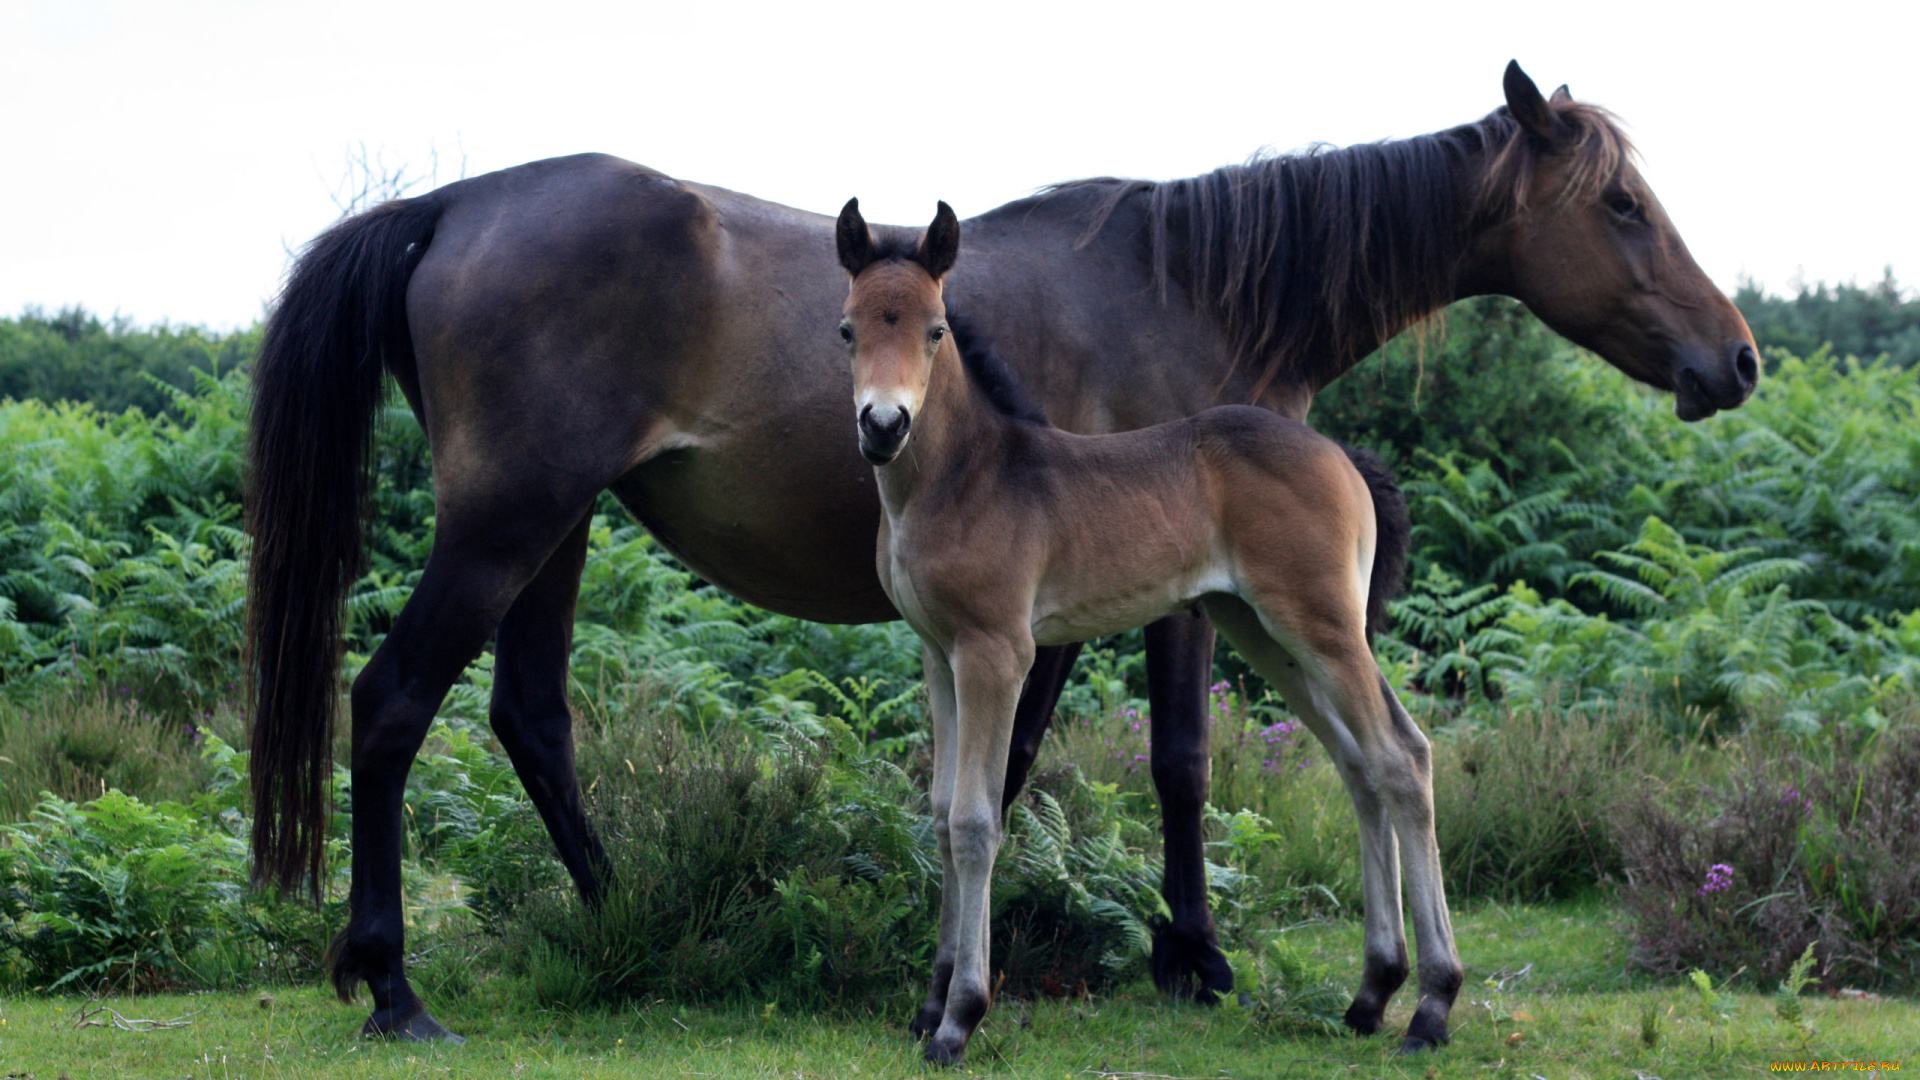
x,y
89,1017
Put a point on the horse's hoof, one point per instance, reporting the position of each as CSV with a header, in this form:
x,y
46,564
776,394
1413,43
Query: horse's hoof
x,y
946,1051
1187,965
419,1027
925,1023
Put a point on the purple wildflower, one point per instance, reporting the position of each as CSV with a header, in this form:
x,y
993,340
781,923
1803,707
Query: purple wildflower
x,y
1719,879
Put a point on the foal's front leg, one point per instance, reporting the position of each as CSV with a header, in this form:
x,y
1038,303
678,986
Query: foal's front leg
x,y
939,676
987,672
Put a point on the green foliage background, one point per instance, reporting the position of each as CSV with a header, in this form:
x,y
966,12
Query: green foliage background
x,y
1595,585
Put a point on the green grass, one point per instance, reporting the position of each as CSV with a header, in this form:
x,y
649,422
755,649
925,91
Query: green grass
x,y
1579,1012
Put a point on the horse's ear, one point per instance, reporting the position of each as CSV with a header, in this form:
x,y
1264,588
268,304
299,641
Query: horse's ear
x,y
940,245
1562,95
853,238
1526,104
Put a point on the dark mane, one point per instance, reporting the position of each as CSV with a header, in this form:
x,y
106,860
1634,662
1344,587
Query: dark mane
x,y
985,370
1311,259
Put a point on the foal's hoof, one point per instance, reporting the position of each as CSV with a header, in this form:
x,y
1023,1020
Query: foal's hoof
x,y
1425,1032
419,1027
1415,1045
925,1023
1364,1019
946,1051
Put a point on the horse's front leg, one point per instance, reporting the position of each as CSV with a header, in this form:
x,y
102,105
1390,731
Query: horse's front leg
x,y
987,672
1186,950
940,700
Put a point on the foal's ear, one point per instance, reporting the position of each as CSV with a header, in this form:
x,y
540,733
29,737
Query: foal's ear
x,y
1527,106
853,239
1562,95
940,245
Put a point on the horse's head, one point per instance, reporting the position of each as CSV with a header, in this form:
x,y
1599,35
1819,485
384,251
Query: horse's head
x,y
1575,233
894,321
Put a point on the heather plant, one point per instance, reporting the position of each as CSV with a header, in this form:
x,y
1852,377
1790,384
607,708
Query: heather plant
x,y
1522,804
1795,846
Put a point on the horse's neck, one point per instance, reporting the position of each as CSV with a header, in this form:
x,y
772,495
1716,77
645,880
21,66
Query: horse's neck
x,y
954,431
1335,330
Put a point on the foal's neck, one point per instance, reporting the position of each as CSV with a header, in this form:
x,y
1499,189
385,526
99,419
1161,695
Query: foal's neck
x,y
956,431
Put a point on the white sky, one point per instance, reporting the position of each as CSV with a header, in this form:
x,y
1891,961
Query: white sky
x,y
161,157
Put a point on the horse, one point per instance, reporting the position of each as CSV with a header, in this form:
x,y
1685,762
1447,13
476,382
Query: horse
x,y
1000,533
585,323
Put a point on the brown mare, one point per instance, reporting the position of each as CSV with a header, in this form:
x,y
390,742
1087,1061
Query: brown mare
x,y
1000,533
584,323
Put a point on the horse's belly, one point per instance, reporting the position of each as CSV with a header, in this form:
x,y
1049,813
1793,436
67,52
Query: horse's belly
x,y
793,536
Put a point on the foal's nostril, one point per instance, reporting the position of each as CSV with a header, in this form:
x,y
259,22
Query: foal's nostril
x,y
1746,368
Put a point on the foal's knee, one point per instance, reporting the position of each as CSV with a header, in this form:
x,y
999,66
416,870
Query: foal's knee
x,y
972,837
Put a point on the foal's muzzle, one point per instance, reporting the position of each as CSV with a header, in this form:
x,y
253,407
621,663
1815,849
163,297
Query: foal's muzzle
x,y
883,432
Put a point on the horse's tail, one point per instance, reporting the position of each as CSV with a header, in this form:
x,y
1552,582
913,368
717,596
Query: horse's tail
x,y
340,323
1393,535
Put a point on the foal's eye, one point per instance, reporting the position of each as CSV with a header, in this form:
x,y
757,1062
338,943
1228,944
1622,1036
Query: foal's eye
x,y
846,333
1624,206
939,332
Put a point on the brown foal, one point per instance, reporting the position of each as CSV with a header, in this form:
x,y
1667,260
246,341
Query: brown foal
x,y
1001,533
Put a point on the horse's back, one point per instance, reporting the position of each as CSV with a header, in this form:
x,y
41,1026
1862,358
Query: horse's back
x,y
585,323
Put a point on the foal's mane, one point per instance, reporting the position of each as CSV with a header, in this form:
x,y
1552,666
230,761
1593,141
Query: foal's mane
x,y
1356,243
987,371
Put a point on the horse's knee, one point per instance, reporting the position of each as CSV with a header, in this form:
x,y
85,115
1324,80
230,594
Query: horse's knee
x,y
1181,772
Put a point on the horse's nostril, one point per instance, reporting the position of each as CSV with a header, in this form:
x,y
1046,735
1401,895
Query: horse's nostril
x,y
1746,367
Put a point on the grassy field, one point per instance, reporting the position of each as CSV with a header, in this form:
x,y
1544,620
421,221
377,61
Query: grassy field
x,y
1579,1011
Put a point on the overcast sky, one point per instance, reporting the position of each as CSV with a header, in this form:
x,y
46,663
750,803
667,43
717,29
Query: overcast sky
x,y
160,157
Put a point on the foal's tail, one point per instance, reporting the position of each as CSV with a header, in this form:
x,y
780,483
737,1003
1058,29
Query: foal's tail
x,y
339,325
1393,535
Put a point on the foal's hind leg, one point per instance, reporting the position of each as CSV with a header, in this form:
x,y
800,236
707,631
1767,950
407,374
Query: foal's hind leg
x,y
1384,760
1051,666
1186,949
484,554
1385,954
530,715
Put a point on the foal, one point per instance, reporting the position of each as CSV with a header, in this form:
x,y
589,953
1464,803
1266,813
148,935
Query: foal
x,y
1001,533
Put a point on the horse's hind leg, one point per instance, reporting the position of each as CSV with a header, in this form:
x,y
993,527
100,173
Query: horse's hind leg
x,y
1186,950
530,715
485,552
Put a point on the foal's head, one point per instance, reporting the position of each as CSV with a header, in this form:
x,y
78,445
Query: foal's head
x,y
894,321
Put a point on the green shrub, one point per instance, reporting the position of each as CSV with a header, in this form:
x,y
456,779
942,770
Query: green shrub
x,y
114,893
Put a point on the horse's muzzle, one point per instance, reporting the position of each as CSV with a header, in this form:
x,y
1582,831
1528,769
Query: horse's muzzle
x,y
1704,388
883,432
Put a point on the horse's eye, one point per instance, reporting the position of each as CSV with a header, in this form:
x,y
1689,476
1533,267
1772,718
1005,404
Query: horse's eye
x,y
1624,206
939,332
846,333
